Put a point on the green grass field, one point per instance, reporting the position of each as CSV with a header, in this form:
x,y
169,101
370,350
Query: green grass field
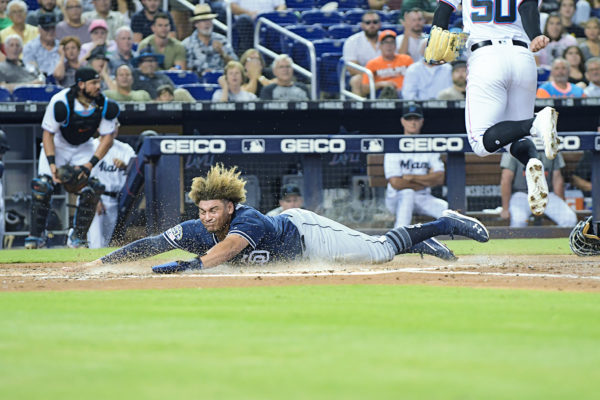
x,y
301,342
323,342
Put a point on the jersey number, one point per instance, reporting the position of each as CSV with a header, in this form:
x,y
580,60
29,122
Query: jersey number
x,y
501,11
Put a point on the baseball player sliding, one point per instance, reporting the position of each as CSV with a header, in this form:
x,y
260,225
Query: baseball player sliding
x,y
501,82
228,231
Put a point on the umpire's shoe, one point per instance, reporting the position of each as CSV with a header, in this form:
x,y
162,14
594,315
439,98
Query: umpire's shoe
x,y
34,242
435,248
465,226
544,126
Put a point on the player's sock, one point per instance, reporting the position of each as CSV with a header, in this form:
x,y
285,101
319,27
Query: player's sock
x,y
523,150
404,237
499,135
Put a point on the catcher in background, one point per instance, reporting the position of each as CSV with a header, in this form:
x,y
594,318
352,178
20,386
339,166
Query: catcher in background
x,y
229,231
72,117
501,82
585,238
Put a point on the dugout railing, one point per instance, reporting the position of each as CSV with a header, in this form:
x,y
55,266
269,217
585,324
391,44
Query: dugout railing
x,y
168,163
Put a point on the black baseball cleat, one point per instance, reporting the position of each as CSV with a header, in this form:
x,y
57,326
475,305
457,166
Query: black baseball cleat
x,y
466,226
435,248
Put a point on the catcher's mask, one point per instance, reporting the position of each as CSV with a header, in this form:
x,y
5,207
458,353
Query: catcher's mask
x,y
583,241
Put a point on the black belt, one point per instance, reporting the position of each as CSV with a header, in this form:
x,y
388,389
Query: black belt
x,y
489,43
111,194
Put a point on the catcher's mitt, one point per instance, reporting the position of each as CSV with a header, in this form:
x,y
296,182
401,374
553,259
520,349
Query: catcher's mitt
x,y
584,240
72,179
443,45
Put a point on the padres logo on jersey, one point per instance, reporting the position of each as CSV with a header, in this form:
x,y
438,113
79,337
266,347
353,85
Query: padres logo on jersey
x,y
256,257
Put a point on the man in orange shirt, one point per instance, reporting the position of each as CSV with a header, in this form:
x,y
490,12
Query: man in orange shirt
x,y
389,68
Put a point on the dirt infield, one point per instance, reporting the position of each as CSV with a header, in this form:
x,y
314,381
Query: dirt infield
x,y
524,272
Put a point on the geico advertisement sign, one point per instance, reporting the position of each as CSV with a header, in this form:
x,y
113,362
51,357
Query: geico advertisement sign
x,y
313,145
566,143
411,144
192,146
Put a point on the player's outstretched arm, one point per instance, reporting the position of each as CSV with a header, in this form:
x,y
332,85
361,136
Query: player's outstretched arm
x,y
224,251
146,247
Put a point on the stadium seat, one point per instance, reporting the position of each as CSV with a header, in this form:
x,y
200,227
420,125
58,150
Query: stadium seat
x,y
309,32
4,95
35,93
50,80
346,4
32,5
182,77
542,74
301,4
212,76
391,17
342,31
320,17
595,12
399,29
354,17
322,46
280,17
427,28
201,91
329,72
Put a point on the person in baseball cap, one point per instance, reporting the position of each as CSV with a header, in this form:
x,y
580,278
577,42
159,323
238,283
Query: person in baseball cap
x,y
386,33
412,111
148,54
85,74
291,197
47,21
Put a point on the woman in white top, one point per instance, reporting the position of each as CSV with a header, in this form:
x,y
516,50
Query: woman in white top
x,y
231,84
559,41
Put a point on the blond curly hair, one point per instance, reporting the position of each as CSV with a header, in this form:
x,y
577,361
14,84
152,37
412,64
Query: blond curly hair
x,y
220,183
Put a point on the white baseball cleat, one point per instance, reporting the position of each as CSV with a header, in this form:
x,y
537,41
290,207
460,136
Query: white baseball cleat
x,y
537,188
544,126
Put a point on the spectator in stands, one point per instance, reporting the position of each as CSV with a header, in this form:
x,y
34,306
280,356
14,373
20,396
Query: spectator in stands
x,y
124,53
5,22
566,12
147,76
46,7
124,83
68,50
426,6
412,175
291,197
231,86
73,24
126,8
424,81
574,57
165,94
254,66
513,189
42,51
141,22
13,72
17,12
558,84
582,177
591,46
285,88
362,47
98,60
559,41
245,12
459,83
583,11
389,68
99,34
412,41
205,49
592,68
172,49
114,19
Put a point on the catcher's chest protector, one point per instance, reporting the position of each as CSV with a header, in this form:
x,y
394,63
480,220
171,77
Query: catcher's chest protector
x,y
77,128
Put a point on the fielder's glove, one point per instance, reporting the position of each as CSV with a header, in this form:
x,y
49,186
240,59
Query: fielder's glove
x,y
72,178
443,46
584,239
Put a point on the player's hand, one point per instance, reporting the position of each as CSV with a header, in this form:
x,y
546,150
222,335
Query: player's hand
x,y
54,171
504,214
100,209
119,163
538,43
61,51
85,170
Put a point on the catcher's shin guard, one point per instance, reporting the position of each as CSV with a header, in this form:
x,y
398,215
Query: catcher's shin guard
x,y
41,190
88,200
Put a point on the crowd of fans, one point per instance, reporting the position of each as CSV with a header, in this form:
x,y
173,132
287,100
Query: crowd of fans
x,y
47,45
